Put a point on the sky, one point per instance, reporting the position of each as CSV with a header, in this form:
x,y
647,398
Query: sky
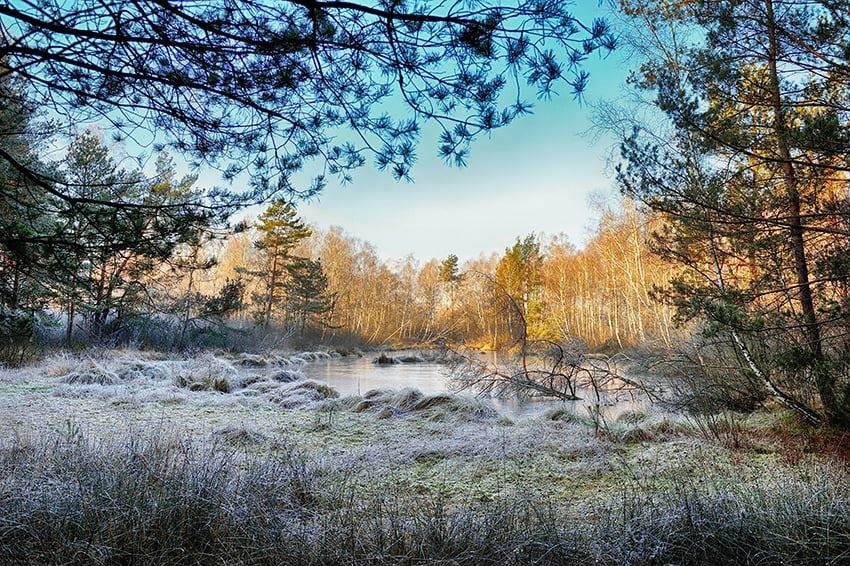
x,y
538,175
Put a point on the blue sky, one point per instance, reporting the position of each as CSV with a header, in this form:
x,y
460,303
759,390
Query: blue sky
x,y
535,175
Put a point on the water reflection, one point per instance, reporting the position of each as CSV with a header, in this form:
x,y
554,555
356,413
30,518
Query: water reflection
x,y
356,376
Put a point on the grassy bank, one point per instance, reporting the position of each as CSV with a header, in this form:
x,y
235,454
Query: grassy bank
x,y
72,499
241,460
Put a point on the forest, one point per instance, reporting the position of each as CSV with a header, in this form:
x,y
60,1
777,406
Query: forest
x,y
158,285
191,371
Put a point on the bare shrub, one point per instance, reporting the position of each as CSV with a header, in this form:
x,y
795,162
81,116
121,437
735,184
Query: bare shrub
x,y
707,383
724,426
542,369
707,377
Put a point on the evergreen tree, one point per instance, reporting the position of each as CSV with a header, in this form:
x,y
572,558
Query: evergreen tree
x,y
226,302
451,277
26,224
25,208
98,263
114,252
449,272
280,230
517,283
753,186
307,295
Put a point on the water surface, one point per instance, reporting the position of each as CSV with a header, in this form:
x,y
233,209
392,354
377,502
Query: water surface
x,y
356,376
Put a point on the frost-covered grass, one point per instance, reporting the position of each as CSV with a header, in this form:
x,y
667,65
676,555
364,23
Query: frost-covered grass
x,y
389,403
167,499
271,467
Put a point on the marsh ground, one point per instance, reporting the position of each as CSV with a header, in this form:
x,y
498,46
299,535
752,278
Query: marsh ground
x,y
411,446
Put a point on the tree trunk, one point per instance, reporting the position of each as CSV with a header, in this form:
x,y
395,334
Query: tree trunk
x,y
187,306
69,332
270,298
824,380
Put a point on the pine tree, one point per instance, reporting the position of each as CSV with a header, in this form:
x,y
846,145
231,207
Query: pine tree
x,y
103,273
25,208
451,277
280,230
753,185
307,295
517,283
26,224
449,272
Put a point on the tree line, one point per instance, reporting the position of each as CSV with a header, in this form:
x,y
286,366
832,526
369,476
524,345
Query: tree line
x,y
119,275
539,288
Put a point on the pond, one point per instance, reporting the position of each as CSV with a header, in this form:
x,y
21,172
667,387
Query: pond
x,y
356,376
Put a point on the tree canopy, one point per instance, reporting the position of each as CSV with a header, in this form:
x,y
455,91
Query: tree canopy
x,y
266,87
752,181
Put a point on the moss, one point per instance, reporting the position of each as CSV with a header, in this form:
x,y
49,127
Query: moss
x,y
410,402
407,400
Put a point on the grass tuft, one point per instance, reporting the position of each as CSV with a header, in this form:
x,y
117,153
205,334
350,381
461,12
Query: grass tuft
x,y
92,375
387,403
240,436
287,375
302,393
568,415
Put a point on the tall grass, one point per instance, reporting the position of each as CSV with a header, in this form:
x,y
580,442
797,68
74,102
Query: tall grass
x,y
167,500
